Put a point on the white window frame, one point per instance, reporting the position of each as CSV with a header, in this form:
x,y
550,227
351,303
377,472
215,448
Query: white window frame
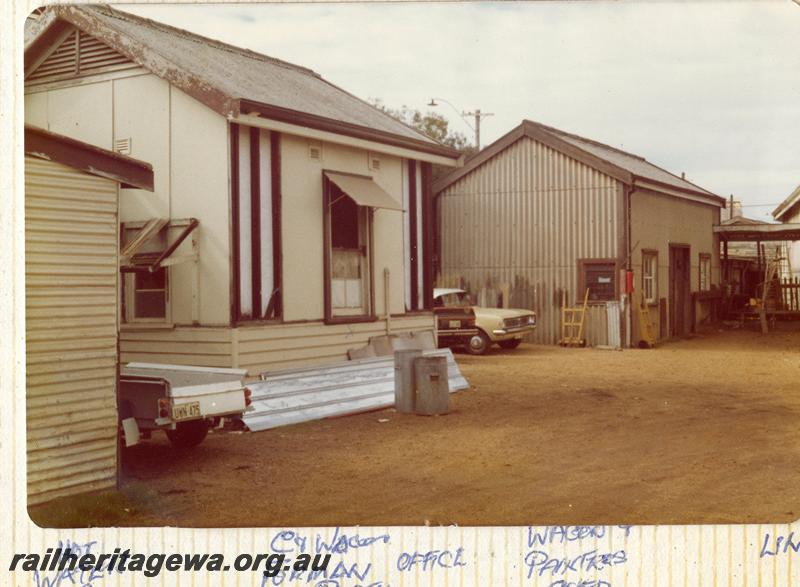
x,y
704,282
650,276
159,241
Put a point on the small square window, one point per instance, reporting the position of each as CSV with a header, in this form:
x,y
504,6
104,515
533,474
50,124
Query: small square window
x,y
150,294
146,292
600,278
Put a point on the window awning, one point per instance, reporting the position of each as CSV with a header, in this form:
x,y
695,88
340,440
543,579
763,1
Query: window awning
x,y
364,191
132,260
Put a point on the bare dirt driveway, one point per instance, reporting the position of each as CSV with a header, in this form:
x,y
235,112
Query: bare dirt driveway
x,y
700,431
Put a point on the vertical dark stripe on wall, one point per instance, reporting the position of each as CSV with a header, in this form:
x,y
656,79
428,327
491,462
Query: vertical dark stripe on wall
x,y
255,219
412,232
326,239
277,251
427,237
371,260
235,236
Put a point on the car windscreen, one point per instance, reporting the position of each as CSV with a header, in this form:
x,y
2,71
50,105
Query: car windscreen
x,y
458,299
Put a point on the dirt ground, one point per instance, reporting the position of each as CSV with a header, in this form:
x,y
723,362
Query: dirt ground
x,y
705,430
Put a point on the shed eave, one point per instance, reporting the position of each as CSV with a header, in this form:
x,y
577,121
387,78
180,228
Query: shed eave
x,y
785,206
759,232
88,158
298,118
662,188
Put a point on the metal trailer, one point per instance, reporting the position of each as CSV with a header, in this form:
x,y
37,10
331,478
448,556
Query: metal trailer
x,y
182,401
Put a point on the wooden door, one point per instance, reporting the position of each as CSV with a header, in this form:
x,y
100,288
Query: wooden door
x,y
679,290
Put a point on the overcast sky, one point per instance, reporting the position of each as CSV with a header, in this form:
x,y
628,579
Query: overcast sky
x,y
712,89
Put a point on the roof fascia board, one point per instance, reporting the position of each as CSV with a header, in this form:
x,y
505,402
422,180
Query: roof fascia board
x,y
760,228
672,188
154,62
785,206
330,137
577,153
661,189
760,232
297,118
479,159
526,129
73,82
88,158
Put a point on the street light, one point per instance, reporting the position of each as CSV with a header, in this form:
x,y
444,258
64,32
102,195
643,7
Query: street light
x,y
477,114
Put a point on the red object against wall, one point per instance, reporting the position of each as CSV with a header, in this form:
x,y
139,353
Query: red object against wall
x,y
628,281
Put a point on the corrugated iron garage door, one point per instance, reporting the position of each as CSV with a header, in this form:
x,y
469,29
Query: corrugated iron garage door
x,y
71,240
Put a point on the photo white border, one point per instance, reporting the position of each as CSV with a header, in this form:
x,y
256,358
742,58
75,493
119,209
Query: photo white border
x,y
657,555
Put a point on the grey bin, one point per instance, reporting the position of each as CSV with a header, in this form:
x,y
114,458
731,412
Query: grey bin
x,y
432,386
404,379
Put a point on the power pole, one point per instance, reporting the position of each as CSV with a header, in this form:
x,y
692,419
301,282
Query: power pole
x,y
478,116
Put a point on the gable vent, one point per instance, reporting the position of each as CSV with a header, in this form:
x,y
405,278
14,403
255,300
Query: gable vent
x,y
123,146
315,151
79,55
61,63
373,162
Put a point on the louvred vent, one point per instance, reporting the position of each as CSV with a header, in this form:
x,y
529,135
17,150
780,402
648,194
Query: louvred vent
x,y
79,55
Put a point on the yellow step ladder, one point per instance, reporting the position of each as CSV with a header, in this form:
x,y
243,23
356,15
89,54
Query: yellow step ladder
x,y
646,329
572,320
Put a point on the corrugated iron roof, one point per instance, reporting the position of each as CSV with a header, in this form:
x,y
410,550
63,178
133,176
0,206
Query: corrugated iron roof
x,y
624,166
636,165
228,74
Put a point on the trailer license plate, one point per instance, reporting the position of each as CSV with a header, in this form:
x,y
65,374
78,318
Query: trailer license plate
x,y
186,411
455,323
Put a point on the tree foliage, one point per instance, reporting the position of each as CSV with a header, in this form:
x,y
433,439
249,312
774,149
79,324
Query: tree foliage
x,y
431,124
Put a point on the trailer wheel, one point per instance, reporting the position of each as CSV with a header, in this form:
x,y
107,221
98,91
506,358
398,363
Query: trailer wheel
x,y
188,434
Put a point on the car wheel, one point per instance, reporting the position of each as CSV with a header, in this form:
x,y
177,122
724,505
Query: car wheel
x,y
478,344
510,344
188,434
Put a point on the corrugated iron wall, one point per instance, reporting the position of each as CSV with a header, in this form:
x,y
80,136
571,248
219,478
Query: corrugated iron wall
x,y
70,330
524,218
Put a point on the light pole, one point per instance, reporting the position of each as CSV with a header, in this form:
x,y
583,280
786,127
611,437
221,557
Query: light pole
x,y
477,114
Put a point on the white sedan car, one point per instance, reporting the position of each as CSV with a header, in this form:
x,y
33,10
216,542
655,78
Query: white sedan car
x,y
504,326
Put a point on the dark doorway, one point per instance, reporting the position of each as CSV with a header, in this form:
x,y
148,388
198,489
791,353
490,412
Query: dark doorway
x,y
680,314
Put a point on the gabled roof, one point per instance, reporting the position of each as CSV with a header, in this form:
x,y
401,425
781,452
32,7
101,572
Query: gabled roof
x,y
628,168
228,79
787,204
93,160
742,221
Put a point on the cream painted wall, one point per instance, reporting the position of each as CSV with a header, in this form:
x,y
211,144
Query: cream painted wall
x,y
794,247
83,113
187,145
302,225
657,221
141,113
200,189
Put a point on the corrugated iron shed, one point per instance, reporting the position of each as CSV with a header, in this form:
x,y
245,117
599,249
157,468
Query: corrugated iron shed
x,y
536,210
71,246
523,220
